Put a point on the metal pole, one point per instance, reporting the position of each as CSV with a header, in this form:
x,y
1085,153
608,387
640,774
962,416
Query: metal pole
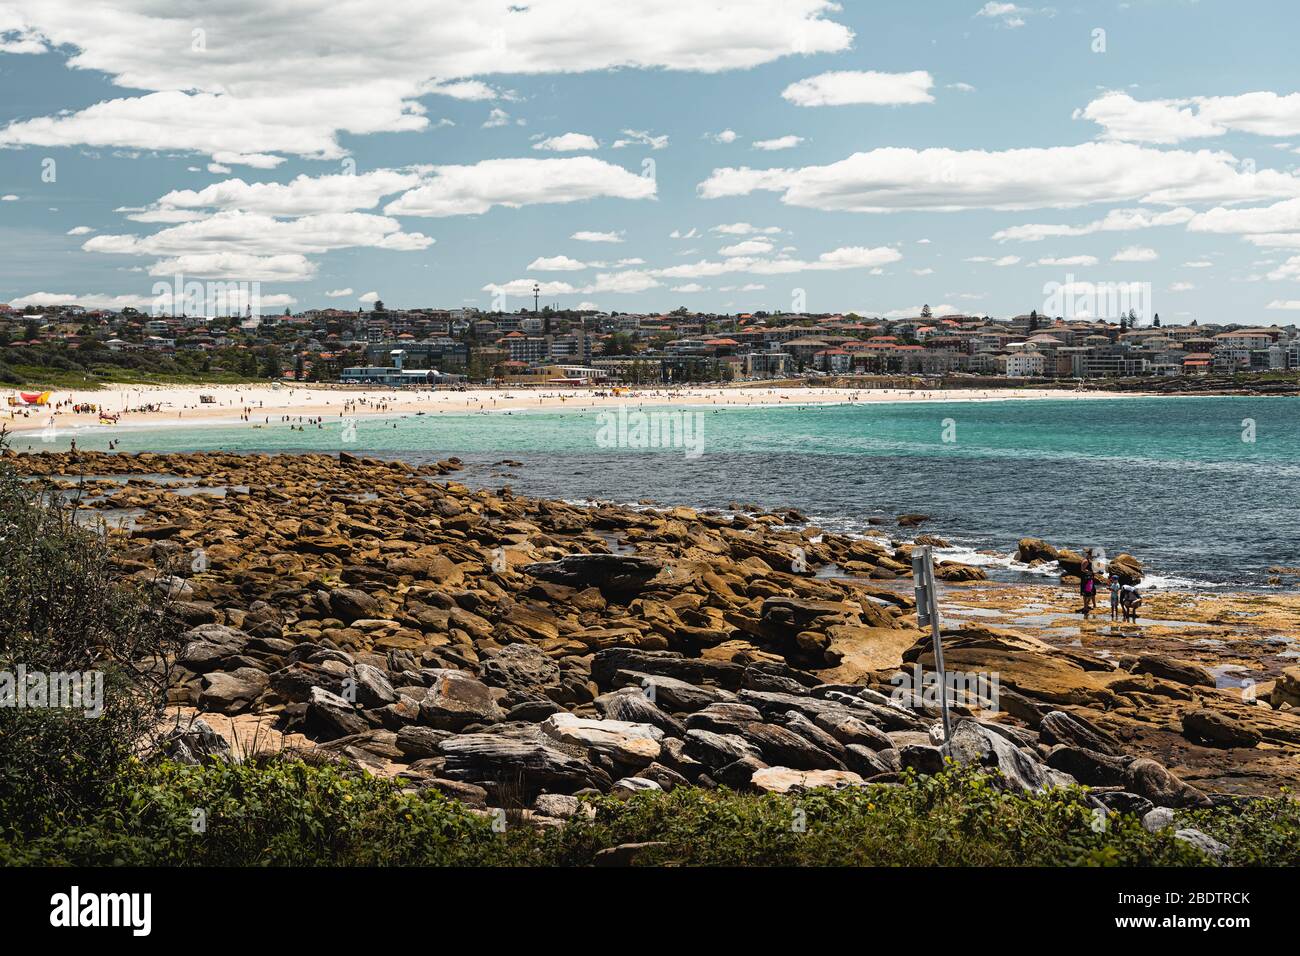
x,y
923,574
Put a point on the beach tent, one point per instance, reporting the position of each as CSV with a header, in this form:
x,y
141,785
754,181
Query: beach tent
x,y
34,398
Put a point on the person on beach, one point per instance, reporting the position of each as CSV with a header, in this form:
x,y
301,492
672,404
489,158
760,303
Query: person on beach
x,y
1088,583
1114,598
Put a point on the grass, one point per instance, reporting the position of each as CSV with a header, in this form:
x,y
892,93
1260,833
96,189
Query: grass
x,y
283,812
39,378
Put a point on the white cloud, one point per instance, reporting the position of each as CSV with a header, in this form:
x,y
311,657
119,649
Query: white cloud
x,y
1135,254
1067,261
745,229
338,293
302,196
961,87
690,287
1117,220
1002,261
893,178
639,137
726,136
1291,304
8,197
1009,14
93,300
238,265
1279,217
379,61
1198,264
849,87
749,247
471,190
368,297
1181,287
567,143
1171,121
781,142
848,257
555,264
589,236
80,231
260,235
496,117
678,234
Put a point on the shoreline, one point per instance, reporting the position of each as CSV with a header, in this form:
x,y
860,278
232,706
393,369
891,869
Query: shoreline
x,y
170,406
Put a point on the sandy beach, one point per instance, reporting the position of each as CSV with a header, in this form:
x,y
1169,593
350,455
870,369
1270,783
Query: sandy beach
x,y
179,405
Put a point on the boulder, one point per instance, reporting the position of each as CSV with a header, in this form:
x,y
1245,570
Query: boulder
x,y
522,760
330,716
623,742
1149,779
1172,669
785,779
1059,727
1029,550
455,700
973,743
1125,567
614,575
352,604
1213,729
233,692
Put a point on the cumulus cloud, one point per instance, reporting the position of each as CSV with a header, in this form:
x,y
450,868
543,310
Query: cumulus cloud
x,y
1117,220
338,293
1122,117
780,142
585,235
264,87
894,178
745,229
555,264
850,87
567,143
749,247
238,265
726,136
640,137
1135,254
471,190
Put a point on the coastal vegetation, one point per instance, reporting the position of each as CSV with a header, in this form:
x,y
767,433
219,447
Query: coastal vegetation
x,y
281,811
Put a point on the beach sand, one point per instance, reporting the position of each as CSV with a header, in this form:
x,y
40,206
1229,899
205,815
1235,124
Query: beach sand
x,y
180,405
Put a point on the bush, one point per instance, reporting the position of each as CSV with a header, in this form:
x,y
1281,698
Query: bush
x,y
64,612
278,811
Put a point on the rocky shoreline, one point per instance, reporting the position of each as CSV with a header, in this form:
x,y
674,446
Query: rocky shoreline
x,y
516,653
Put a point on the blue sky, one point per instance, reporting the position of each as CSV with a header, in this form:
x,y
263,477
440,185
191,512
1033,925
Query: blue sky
x,y
953,153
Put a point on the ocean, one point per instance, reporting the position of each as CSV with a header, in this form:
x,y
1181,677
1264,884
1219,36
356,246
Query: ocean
x,y
1205,490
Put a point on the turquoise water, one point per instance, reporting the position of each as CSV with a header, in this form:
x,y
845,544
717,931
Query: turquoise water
x,y
1204,489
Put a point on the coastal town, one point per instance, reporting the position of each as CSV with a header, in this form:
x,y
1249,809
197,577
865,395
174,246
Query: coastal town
x,y
430,346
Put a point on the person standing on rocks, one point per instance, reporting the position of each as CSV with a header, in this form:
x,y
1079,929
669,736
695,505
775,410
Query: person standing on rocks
x,y
1114,597
1088,583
